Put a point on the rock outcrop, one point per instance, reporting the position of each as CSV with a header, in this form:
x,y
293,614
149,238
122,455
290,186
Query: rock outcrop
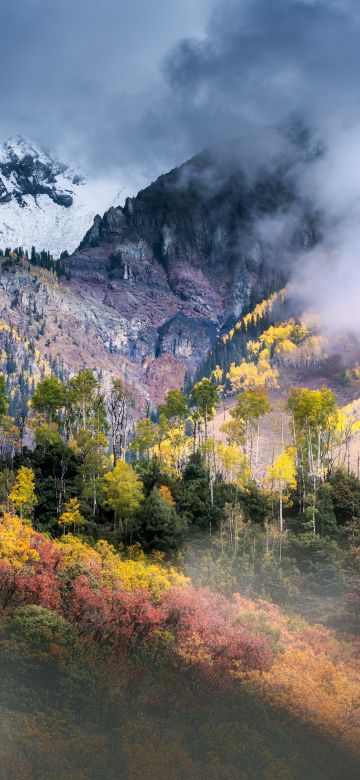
x,y
183,258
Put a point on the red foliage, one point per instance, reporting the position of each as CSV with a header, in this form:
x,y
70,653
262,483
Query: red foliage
x,y
134,619
207,624
202,623
40,585
34,583
124,620
199,628
86,606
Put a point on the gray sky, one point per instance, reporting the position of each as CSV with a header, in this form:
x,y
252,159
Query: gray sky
x,y
140,86
78,76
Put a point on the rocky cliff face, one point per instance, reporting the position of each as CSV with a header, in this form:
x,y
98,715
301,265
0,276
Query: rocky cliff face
x,y
152,283
182,258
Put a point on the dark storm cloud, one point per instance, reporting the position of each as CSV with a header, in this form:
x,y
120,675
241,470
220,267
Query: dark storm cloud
x,y
261,64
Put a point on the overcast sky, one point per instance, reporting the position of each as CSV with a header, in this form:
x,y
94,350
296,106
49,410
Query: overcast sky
x,y
79,76
139,86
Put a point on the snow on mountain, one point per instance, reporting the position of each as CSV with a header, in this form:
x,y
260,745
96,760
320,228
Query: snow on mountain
x,y
44,202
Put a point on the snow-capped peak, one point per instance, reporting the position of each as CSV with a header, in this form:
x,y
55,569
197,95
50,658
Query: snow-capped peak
x,y
43,202
17,146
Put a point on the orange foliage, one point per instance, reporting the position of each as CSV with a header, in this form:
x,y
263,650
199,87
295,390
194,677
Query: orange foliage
x,y
316,677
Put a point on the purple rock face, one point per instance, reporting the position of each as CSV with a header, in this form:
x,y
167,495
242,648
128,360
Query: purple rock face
x,y
184,257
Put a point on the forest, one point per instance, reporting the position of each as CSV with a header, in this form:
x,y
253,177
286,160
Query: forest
x,y
154,584
180,390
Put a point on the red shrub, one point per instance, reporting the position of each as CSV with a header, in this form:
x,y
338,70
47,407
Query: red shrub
x,y
85,606
200,628
206,630
34,583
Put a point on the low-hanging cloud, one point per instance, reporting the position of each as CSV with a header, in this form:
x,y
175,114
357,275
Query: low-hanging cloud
x,y
265,68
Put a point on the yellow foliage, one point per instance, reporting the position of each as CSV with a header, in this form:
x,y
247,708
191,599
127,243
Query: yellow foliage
x,y
258,313
285,346
349,418
285,339
166,494
277,333
316,677
253,347
123,490
112,571
71,514
311,350
22,495
217,373
314,688
246,375
283,471
235,464
174,450
15,542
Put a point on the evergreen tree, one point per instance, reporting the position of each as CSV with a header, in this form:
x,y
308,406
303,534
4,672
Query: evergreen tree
x,y
4,404
160,527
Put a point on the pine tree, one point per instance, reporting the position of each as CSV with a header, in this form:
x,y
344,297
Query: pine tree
x,y
160,526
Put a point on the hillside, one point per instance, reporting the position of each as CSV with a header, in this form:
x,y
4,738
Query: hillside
x,y
266,348
132,674
165,608
275,427
185,257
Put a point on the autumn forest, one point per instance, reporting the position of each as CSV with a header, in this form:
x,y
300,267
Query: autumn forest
x,y
170,605
180,390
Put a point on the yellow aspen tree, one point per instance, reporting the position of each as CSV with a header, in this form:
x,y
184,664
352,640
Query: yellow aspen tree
x,y
250,407
22,495
71,515
123,492
282,476
235,465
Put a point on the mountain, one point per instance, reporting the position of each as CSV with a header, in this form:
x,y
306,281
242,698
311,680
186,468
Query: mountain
x,y
185,257
42,201
153,283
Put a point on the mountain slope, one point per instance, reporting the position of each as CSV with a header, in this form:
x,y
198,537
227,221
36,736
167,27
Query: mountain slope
x,y
42,202
186,256
153,284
